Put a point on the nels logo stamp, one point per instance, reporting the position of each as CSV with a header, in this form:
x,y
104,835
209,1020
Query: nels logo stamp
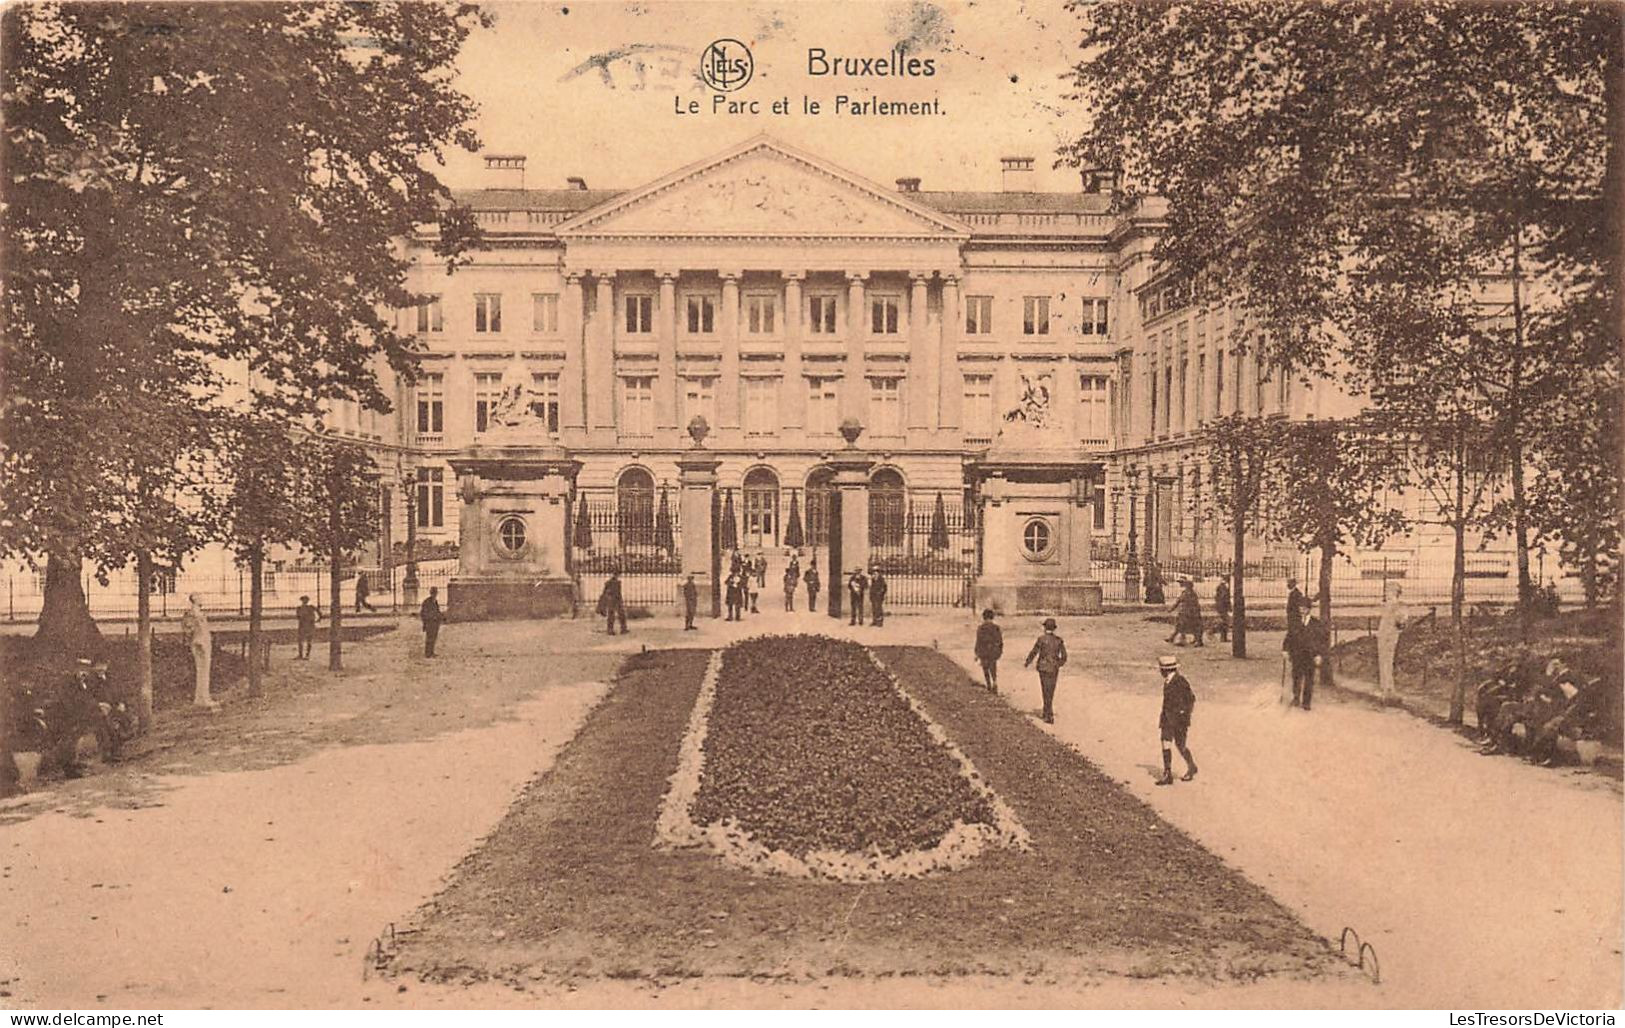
x,y
726,65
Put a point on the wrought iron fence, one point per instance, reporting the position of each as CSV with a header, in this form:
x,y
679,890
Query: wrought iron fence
x,y
929,557
644,545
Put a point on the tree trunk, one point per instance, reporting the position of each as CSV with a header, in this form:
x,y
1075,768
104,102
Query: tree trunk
x,y
256,608
335,604
1238,599
143,635
65,625
1328,553
1520,513
1458,593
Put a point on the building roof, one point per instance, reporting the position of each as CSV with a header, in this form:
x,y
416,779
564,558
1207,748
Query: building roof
x,y
948,201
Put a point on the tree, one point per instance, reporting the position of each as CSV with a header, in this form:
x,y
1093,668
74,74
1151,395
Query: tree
x,y
341,516
263,507
1305,150
1241,453
1333,480
163,236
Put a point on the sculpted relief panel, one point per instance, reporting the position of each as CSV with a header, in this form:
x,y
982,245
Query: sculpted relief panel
x,y
762,196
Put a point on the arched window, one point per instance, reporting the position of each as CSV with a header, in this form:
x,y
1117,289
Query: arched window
x,y
820,484
761,508
886,508
635,506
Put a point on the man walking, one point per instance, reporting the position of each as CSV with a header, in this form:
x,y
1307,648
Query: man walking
x,y
431,617
1307,650
813,582
1221,605
856,587
877,597
610,604
1188,615
1297,605
195,623
305,615
691,602
1177,702
989,648
1050,652
792,576
363,590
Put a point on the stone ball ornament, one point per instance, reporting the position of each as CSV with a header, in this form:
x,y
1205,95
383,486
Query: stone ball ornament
x,y
698,429
851,428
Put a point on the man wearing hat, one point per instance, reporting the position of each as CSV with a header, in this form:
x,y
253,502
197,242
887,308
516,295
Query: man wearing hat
x,y
857,586
1050,653
989,648
1177,702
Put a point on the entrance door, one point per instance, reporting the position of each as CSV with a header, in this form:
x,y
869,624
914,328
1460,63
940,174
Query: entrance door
x,y
761,528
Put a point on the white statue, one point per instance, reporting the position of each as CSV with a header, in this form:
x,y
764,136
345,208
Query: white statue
x,y
518,409
1034,406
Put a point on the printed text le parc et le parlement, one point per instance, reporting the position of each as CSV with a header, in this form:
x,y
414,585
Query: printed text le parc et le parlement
x,y
843,104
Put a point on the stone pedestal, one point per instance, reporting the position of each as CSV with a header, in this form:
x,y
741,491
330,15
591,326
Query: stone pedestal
x,y
513,540
697,483
1037,515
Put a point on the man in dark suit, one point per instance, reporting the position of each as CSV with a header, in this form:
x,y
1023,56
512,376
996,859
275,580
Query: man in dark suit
x,y
610,604
691,602
1307,649
989,648
877,597
1177,703
1050,652
431,617
857,587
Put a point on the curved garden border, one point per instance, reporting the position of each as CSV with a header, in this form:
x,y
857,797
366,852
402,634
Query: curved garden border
x,y
675,827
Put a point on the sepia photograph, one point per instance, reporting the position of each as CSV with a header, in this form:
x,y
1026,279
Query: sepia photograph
x,y
911,505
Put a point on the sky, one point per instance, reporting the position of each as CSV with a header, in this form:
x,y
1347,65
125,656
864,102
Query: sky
x,y
590,88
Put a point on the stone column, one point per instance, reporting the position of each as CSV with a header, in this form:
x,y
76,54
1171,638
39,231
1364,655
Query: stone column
x,y
572,383
857,330
950,384
697,482
668,409
728,386
794,398
601,357
851,467
922,357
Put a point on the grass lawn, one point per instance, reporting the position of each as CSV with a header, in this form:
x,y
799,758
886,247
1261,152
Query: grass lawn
x,y
570,884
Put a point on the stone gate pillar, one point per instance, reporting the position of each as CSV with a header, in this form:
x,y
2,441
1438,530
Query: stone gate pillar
x,y
851,467
697,484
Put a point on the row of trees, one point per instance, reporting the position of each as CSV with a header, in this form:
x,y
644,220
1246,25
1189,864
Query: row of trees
x,y
202,217
1420,197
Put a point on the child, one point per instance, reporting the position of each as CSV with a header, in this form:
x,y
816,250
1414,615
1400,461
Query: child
x,y
306,615
989,647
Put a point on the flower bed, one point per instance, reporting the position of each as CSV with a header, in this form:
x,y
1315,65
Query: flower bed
x,y
805,757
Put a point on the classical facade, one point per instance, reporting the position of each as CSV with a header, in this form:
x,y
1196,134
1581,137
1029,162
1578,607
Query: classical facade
x,y
776,295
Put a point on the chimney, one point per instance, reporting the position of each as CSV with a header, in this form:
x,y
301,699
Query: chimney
x,y
1018,174
908,185
504,171
576,182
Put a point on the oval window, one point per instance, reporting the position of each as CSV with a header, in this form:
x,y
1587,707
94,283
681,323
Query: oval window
x,y
1037,539
511,534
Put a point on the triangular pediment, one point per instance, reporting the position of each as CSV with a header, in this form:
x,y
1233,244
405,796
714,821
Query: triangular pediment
x,y
762,188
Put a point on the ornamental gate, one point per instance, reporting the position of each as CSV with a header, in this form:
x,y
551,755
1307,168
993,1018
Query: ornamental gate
x,y
644,545
929,556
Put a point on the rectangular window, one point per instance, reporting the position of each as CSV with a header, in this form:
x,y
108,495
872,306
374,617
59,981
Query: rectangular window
x,y
761,406
883,315
544,312
431,499
821,315
431,317
978,315
640,313
638,405
487,388
1261,381
700,400
546,386
1152,429
1167,399
1035,316
1184,393
1201,388
702,315
488,312
978,407
1218,384
431,397
761,315
1100,507
823,405
1094,421
886,406
1094,317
